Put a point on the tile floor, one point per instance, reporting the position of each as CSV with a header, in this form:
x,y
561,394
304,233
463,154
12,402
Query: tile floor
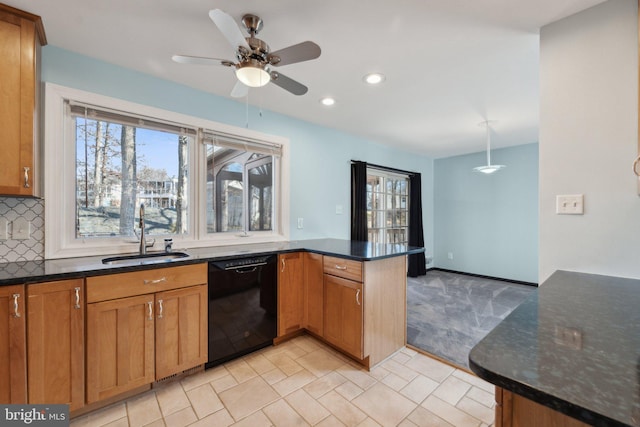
x,y
302,382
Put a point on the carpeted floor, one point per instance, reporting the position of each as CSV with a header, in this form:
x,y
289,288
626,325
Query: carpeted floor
x,y
448,313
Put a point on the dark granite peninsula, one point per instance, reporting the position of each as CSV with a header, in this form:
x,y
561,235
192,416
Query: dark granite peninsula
x,y
571,348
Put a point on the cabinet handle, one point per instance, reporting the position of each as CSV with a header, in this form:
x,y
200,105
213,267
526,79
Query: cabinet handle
x,y
282,269
77,305
160,309
340,267
635,166
26,177
358,296
16,313
150,304
156,281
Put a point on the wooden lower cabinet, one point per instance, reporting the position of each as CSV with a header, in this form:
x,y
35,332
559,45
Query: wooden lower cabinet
x,y
55,312
181,330
343,314
13,345
120,346
290,292
513,410
313,294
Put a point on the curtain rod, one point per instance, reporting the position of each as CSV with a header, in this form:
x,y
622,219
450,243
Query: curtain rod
x,y
385,168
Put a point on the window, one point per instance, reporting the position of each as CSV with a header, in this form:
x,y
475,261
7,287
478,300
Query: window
x,y
387,207
202,183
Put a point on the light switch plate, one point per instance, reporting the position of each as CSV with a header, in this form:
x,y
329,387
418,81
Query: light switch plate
x,y
572,204
3,229
21,229
338,209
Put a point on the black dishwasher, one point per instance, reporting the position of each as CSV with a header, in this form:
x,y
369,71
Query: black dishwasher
x,y
242,306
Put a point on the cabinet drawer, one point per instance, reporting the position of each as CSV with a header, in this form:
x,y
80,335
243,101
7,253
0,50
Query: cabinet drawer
x,y
120,285
346,268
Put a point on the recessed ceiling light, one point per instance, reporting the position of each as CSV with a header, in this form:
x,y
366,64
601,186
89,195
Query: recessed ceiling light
x,y
374,78
328,101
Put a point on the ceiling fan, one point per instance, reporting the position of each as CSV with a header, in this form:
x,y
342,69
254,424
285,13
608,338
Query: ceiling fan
x,y
254,57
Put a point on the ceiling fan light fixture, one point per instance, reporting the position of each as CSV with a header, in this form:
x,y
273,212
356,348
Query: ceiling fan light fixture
x,y
374,78
252,73
488,169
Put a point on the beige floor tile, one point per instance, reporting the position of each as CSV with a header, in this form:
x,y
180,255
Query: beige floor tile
x,y
400,370
224,383
122,422
273,376
395,382
156,423
259,363
379,373
422,417
406,350
240,370
308,343
482,396
248,397
257,419
452,390
476,409
283,415
181,418
284,362
324,385
330,421
401,357
307,406
368,423
357,375
406,423
474,380
220,418
207,376
294,382
419,388
349,390
204,400
172,398
384,405
344,410
101,416
319,362
143,409
449,413
429,367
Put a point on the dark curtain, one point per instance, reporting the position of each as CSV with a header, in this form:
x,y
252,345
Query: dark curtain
x,y
417,263
359,201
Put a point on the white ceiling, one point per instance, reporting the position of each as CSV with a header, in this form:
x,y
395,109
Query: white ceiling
x,y
449,64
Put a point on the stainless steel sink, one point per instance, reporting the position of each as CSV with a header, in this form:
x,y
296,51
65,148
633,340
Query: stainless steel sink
x,y
150,258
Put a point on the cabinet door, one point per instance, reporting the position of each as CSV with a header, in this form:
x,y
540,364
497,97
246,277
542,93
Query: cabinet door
x,y
181,330
13,346
120,346
313,293
17,103
56,343
343,314
290,292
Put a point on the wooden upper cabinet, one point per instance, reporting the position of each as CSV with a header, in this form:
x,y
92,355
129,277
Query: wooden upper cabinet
x,y
13,346
56,343
313,293
290,292
21,37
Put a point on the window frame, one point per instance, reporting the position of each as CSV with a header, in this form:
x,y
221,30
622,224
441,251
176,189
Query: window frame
x,y
386,175
60,180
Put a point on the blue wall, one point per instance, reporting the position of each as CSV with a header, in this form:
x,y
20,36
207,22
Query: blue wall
x,y
320,157
488,222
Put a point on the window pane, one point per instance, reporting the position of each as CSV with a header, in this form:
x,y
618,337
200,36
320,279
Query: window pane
x,y
387,207
120,167
229,172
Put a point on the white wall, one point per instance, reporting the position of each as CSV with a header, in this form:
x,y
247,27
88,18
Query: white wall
x,y
588,141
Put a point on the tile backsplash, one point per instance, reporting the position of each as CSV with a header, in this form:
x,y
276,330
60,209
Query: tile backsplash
x,y
32,210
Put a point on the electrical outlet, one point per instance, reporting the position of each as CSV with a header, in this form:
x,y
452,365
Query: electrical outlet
x,y
21,229
450,255
570,204
300,222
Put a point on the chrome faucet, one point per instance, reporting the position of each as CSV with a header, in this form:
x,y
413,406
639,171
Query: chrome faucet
x,y
143,243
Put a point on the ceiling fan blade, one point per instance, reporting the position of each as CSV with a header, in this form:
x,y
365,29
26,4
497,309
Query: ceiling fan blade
x,y
199,60
228,28
240,90
288,84
304,51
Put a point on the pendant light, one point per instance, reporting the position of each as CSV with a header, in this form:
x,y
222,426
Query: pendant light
x,y
489,168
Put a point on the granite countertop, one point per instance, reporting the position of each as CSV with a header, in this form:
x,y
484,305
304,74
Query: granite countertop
x,y
573,346
56,269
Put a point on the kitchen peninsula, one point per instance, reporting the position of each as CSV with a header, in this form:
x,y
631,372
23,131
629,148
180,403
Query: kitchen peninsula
x,y
567,356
